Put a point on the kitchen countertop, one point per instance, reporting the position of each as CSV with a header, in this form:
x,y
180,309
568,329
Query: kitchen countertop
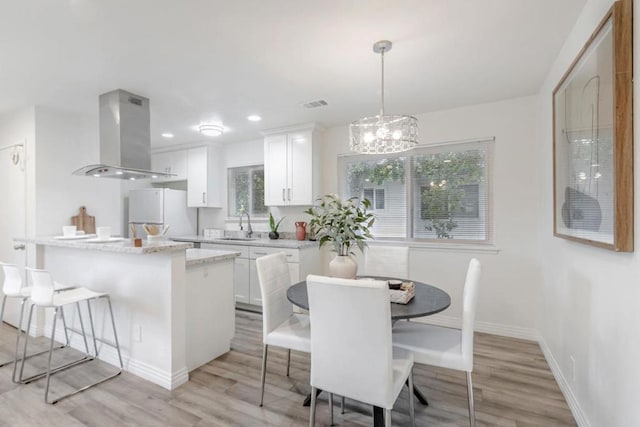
x,y
279,243
124,246
203,256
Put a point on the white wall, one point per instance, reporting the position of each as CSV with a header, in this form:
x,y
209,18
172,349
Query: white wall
x,y
509,297
17,217
65,142
590,296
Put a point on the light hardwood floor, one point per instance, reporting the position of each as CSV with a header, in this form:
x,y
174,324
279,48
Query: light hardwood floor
x,y
513,386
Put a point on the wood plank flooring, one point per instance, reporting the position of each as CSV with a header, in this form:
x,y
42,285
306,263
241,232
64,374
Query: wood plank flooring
x,y
513,386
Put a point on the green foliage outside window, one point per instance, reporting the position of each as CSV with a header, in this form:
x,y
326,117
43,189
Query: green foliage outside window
x,y
449,176
361,173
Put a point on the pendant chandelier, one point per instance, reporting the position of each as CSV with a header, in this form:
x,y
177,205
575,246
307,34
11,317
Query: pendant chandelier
x,y
383,134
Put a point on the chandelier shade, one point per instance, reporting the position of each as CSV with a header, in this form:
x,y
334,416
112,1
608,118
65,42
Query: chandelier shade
x,y
383,134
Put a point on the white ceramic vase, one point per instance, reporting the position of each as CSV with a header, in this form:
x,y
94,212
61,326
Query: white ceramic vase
x,y
343,266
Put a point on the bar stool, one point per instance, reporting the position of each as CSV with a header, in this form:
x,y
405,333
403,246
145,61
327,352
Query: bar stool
x,y
43,295
13,287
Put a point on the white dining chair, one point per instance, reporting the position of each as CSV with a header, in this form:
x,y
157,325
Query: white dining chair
x,y
386,261
281,327
446,347
351,350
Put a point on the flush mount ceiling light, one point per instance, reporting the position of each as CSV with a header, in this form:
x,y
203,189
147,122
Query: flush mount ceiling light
x,y
383,133
254,118
211,130
167,135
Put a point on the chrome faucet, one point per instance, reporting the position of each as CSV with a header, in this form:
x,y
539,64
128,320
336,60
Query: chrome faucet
x,y
249,229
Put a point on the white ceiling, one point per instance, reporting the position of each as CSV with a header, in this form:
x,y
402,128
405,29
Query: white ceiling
x,y
207,61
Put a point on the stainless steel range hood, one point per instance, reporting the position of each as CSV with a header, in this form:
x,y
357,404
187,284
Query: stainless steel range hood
x,y
125,142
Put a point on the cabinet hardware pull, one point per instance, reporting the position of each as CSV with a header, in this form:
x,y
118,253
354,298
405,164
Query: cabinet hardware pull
x,y
288,194
19,246
203,195
260,253
283,194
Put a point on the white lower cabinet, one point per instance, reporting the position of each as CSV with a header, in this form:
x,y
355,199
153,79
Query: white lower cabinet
x,y
301,262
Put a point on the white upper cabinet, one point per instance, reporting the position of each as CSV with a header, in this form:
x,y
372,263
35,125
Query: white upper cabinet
x,y
290,168
173,162
204,177
201,167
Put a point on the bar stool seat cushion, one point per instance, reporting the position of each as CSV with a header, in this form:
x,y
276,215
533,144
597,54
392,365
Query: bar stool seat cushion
x,y
74,295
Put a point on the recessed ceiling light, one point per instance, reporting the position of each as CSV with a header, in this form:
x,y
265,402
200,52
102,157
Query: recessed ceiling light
x,y
211,130
254,118
119,172
167,135
97,175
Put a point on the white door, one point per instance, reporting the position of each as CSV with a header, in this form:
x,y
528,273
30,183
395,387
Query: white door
x,y
13,214
275,170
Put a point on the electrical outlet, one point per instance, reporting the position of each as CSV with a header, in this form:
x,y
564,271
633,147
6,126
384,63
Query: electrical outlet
x,y
572,367
137,333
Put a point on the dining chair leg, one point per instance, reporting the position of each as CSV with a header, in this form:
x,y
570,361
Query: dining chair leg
x,y
387,418
288,360
264,372
312,414
412,409
472,412
342,405
331,407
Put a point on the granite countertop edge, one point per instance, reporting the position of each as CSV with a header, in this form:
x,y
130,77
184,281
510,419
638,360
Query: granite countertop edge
x,y
206,256
279,243
124,246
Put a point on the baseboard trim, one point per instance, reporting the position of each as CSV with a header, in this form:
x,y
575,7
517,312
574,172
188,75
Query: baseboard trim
x,y
108,354
485,327
572,401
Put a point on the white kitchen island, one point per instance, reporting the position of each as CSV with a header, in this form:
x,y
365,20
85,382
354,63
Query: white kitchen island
x,y
156,312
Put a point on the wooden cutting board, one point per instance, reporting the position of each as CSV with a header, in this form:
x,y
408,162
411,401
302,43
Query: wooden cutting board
x,y
84,222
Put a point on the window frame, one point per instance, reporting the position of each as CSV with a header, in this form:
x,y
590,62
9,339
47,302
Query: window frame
x,y
250,169
486,144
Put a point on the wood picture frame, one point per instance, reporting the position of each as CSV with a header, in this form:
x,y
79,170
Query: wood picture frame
x,y
593,138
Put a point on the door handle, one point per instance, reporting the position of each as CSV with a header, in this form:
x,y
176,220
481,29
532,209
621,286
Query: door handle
x,y
19,246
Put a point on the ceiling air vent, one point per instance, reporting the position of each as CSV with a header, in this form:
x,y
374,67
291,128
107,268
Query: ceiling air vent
x,y
315,104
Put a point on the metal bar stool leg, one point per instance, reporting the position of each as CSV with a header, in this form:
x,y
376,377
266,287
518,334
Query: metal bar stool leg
x,y
93,332
115,334
53,335
32,378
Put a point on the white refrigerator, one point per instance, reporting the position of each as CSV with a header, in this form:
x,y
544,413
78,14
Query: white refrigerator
x,y
162,207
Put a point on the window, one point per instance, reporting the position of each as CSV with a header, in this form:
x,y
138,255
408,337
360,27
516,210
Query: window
x,y
246,190
430,193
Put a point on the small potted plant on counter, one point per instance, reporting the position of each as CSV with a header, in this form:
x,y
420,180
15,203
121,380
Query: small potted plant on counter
x,y
346,225
273,226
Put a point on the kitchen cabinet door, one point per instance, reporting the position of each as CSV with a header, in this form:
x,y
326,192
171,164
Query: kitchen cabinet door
x,y
300,170
241,280
204,177
173,162
275,170
255,296
197,177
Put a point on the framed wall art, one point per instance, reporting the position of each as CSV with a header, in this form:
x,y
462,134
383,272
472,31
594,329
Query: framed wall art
x,y
593,138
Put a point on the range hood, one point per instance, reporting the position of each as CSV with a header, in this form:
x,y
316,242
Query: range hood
x,y
125,142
